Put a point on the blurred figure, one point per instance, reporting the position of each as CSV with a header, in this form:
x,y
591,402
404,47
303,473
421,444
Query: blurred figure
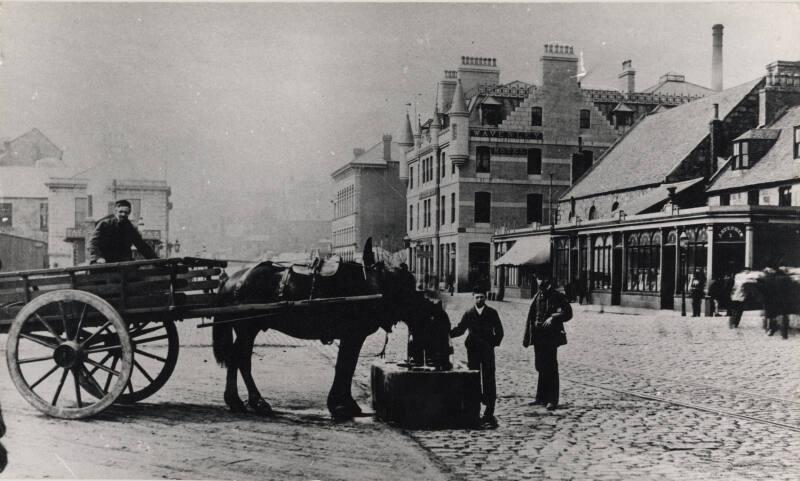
x,y
3,452
697,291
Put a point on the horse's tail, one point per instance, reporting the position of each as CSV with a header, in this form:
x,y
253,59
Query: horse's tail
x,y
222,335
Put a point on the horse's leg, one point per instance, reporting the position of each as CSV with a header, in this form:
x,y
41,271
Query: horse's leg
x,y
340,399
254,399
232,398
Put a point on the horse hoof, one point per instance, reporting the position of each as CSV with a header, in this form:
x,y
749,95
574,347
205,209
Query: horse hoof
x,y
341,413
355,409
235,405
262,408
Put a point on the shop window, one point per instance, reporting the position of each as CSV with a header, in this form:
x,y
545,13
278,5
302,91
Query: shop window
x,y
534,161
601,263
585,119
483,207
785,196
643,253
536,117
483,160
562,261
534,208
6,218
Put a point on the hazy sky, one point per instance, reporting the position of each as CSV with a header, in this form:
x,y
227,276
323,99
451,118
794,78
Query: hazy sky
x,y
230,97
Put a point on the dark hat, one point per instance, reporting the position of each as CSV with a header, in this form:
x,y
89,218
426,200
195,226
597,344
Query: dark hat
x,y
122,203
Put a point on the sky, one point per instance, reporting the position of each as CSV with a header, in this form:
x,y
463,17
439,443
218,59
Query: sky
x,y
229,101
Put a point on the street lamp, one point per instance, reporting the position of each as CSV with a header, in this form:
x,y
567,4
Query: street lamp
x,y
683,243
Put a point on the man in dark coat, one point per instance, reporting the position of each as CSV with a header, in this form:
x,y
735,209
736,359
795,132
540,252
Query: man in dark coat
x,y
485,333
697,291
544,330
114,235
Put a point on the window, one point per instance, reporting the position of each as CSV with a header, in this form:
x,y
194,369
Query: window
x,y
82,210
601,267
443,170
534,208
536,116
490,115
410,217
741,155
411,178
752,197
588,158
6,219
452,208
483,207
785,196
483,158
452,167
643,252
585,119
534,161
725,199
614,206
443,210
43,216
561,267
797,142
418,214
592,213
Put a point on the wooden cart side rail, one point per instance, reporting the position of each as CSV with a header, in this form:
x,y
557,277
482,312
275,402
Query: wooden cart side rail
x,y
116,266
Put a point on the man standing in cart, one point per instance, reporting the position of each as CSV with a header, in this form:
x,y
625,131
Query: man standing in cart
x,y
114,235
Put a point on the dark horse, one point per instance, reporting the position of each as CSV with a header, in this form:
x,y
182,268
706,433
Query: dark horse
x,y
775,290
351,323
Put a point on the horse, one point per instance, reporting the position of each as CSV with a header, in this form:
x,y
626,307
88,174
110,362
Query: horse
x,y
350,323
775,290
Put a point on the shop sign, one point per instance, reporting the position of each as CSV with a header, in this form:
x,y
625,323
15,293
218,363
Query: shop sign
x,y
730,233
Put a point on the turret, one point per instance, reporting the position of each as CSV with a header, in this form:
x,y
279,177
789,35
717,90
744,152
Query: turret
x,y
459,127
406,143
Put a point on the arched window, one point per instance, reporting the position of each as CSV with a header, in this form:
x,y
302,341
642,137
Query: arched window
x,y
601,272
592,213
643,260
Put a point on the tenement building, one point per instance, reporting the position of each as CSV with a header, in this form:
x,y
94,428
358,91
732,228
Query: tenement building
x,y
705,190
498,156
370,200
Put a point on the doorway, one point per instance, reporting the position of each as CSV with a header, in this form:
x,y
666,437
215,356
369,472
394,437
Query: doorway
x,y
479,265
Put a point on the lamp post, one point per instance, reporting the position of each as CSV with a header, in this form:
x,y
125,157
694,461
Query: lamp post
x,y
683,242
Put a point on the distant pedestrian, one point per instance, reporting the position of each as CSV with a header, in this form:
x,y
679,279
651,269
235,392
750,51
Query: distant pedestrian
x,y
544,330
485,333
697,291
736,304
580,289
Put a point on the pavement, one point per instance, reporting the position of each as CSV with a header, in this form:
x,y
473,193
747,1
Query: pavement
x,y
646,395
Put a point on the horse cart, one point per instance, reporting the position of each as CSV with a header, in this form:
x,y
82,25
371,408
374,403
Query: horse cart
x,y
82,338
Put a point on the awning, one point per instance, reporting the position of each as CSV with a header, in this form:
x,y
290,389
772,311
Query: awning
x,y
527,251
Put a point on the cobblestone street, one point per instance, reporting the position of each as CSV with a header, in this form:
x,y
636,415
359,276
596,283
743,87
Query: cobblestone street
x,y
647,396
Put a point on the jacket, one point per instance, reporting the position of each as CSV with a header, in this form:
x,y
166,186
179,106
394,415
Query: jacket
x,y
555,306
485,330
112,240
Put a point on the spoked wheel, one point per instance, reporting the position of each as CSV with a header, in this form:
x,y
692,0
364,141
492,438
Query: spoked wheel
x,y
58,353
155,347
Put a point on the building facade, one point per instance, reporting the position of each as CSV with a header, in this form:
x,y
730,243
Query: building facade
x,y
703,190
498,156
369,200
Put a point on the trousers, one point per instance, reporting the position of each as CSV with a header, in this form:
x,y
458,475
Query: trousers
x,y
482,358
546,363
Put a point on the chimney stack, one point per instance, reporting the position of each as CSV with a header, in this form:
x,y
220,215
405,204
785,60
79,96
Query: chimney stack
x,y
716,143
357,151
387,147
628,77
716,57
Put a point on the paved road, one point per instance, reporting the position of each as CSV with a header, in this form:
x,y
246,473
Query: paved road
x,y
644,397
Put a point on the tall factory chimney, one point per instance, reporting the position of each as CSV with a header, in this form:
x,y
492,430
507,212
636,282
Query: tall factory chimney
x,y
716,57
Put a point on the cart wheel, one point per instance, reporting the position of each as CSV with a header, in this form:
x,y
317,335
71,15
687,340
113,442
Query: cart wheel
x,y
69,334
154,360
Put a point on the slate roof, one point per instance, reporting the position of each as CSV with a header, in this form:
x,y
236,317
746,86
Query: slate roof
x,y
374,156
656,196
777,165
669,86
657,144
759,134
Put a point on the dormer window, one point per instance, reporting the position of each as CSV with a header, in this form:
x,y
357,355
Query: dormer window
x,y
490,115
797,142
741,155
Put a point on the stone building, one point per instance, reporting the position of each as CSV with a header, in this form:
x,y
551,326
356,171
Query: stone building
x,y
369,200
497,156
705,189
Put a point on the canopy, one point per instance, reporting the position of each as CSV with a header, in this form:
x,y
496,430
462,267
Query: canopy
x,y
527,251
